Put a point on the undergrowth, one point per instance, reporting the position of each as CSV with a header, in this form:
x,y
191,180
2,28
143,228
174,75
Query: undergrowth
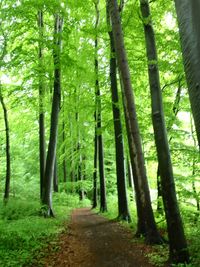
x,y
24,232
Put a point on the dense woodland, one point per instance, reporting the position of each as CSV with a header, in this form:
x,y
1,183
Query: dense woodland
x,y
100,106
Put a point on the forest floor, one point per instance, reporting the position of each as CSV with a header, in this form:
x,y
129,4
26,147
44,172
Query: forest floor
x,y
94,241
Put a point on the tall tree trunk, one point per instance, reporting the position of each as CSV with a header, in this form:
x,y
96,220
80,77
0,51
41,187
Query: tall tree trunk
x,y
51,154
95,192
103,203
177,242
42,146
8,164
135,147
123,210
189,28
175,110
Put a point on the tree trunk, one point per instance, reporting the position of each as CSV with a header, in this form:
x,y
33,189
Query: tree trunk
x,y
177,242
123,210
55,177
64,146
51,154
189,28
135,147
64,160
196,195
103,204
95,194
175,110
129,173
8,168
42,145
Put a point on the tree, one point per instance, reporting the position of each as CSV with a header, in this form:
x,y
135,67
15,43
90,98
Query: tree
x,y
177,243
42,145
103,204
8,163
95,190
135,148
189,21
51,154
123,210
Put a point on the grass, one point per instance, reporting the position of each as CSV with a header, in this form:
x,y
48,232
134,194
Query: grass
x,y
23,232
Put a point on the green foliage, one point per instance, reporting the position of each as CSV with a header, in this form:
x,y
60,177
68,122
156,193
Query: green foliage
x,y
23,232
159,257
20,72
18,209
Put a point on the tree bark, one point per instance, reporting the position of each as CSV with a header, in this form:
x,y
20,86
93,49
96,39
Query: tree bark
x,y
175,110
177,242
129,173
55,177
189,28
103,203
123,210
135,147
95,192
194,189
42,145
64,160
51,154
8,163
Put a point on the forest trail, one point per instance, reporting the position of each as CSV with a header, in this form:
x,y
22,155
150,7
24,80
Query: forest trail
x,y
93,241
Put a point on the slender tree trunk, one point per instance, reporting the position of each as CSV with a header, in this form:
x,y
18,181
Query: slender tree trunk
x,y
189,28
103,204
64,159
123,210
129,173
42,145
196,195
95,194
55,177
63,140
175,110
51,154
135,147
8,164
177,242
141,221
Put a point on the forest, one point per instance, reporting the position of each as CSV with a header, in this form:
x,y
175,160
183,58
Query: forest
x,y
100,110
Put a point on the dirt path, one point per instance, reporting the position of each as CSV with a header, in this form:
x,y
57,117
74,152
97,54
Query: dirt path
x,y
93,241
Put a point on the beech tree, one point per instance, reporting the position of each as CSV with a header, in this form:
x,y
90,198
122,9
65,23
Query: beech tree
x,y
189,21
123,210
135,148
42,145
51,154
178,246
8,163
103,204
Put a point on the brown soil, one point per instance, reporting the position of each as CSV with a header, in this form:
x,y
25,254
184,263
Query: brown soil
x,y
93,241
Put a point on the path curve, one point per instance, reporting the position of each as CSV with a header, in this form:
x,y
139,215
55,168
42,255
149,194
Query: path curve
x,y
93,241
